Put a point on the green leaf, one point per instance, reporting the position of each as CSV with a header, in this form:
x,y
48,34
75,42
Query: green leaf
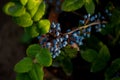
x,y
32,31
44,57
97,65
70,52
36,73
22,76
115,66
33,74
32,3
14,9
24,20
39,71
104,54
44,26
72,5
116,78
89,6
23,2
24,65
101,60
26,38
33,49
40,12
67,66
34,10
89,55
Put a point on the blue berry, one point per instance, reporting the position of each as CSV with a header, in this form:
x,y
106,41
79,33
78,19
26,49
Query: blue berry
x,y
54,42
58,27
80,43
102,17
89,29
78,32
96,15
110,14
103,25
88,35
53,25
89,15
92,18
74,34
66,36
68,30
81,21
57,33
39,37
61,39
48,44
106,11
85,16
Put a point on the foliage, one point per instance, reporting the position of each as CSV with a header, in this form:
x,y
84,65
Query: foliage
x,y
89,40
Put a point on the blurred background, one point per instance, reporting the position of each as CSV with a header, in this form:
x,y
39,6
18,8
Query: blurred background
x,y
11,50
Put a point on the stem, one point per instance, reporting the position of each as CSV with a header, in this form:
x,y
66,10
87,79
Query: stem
x,y
84,27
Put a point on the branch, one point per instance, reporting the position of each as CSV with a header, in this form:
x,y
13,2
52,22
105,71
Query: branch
x,y
84,27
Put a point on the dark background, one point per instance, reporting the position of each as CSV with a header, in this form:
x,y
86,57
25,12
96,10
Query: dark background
x,y
11,51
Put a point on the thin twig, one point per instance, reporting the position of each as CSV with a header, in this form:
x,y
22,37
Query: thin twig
x,y
85,26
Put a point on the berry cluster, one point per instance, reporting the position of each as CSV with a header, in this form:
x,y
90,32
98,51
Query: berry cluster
x,y
54,40
95,18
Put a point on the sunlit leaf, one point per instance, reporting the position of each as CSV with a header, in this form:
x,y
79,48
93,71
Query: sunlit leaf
x,y
14,9
24,20
40,12
24,65
33,49
44,26
44,57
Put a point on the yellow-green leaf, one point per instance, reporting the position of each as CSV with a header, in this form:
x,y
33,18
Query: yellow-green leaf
x,y
44,26
23,2
32,3
14,9
40,12
24,20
